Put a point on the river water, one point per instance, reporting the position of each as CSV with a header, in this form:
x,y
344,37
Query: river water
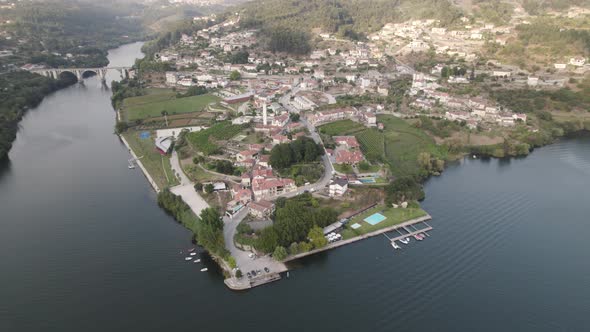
x,y
85,247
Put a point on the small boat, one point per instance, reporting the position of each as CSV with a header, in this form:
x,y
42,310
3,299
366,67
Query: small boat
x,y
394,245
197,261
418,237
191,250
188,258
193,253
405,240
204,269
131,166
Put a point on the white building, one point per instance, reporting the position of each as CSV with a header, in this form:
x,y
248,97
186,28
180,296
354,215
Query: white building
x,y
338,187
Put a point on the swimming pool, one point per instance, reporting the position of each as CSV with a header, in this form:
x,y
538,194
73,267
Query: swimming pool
x,y
374,219
367,180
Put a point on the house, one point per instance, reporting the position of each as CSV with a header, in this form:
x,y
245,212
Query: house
x,y
246,180
578,62
246,154
261,209
349,157
302,103
163,144
268,188
349,142
559,65
501,73
532,81
338,187
280,121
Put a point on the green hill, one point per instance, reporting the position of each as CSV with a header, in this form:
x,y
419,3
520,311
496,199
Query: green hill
x,y
347,18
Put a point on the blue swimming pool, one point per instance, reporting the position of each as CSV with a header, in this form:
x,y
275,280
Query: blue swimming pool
x,y
374,219
367,180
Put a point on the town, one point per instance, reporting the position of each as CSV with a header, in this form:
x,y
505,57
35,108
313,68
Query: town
x,y
342,133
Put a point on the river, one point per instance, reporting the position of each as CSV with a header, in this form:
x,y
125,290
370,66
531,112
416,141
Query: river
x,y
86,248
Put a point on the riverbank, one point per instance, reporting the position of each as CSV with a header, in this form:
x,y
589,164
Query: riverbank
x,y
140,164
337,244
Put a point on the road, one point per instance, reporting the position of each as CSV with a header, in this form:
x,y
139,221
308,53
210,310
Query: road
x,y
186,188
328,167
243,261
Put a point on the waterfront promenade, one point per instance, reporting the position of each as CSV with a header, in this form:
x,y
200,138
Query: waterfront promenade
x,y
366,236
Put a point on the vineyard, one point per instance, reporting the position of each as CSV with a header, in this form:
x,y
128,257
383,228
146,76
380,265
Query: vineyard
x,y
372,143
403,144
206,140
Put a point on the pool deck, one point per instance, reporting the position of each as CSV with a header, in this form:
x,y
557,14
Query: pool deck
x,y
405,226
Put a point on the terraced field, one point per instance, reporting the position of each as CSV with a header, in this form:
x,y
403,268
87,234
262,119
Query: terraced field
x,y
206,141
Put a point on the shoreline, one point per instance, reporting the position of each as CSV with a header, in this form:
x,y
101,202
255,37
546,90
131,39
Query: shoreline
x,y
143,169
341,243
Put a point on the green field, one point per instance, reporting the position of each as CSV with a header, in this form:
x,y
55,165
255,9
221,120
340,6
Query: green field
x,y
205,141
340,128
158,100
394,217
157,165
403,144
398,145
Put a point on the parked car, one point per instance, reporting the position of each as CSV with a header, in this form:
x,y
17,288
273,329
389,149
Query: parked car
x,y
266,270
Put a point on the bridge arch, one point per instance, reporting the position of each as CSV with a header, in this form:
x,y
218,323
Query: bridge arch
x,y
68,75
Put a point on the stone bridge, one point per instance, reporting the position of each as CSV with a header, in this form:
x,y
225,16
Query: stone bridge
x,y
101,72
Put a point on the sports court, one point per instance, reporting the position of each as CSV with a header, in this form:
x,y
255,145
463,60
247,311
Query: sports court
x,y
375,218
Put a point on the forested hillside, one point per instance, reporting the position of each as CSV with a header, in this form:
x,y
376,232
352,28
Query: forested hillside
x,y
52,30
350,18
19,91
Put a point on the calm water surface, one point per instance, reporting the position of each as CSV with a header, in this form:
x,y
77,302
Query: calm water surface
x,y
85,247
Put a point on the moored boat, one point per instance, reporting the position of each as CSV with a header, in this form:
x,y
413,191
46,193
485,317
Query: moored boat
x,y
204,269
188,258
394,245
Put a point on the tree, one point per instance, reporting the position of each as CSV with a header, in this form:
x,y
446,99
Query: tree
x,y
317,238
239,273
424,160
235,75
198,187
165,115
209,188
210,231
267,240
364,166
280,253
294,248
294,117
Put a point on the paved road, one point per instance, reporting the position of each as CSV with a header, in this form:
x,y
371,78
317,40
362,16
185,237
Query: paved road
x,y
186,189
243,261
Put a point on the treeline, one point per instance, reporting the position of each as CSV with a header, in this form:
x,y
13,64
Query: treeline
x,y
125,89
20,91
294,219
303,149
208,227
288,40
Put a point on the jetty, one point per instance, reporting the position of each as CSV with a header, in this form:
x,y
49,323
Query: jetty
x,y
405,226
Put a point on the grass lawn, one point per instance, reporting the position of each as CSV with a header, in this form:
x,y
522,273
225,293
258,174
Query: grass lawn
x,y
343,168
152,104
394,217
341,128
157,165
197,174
